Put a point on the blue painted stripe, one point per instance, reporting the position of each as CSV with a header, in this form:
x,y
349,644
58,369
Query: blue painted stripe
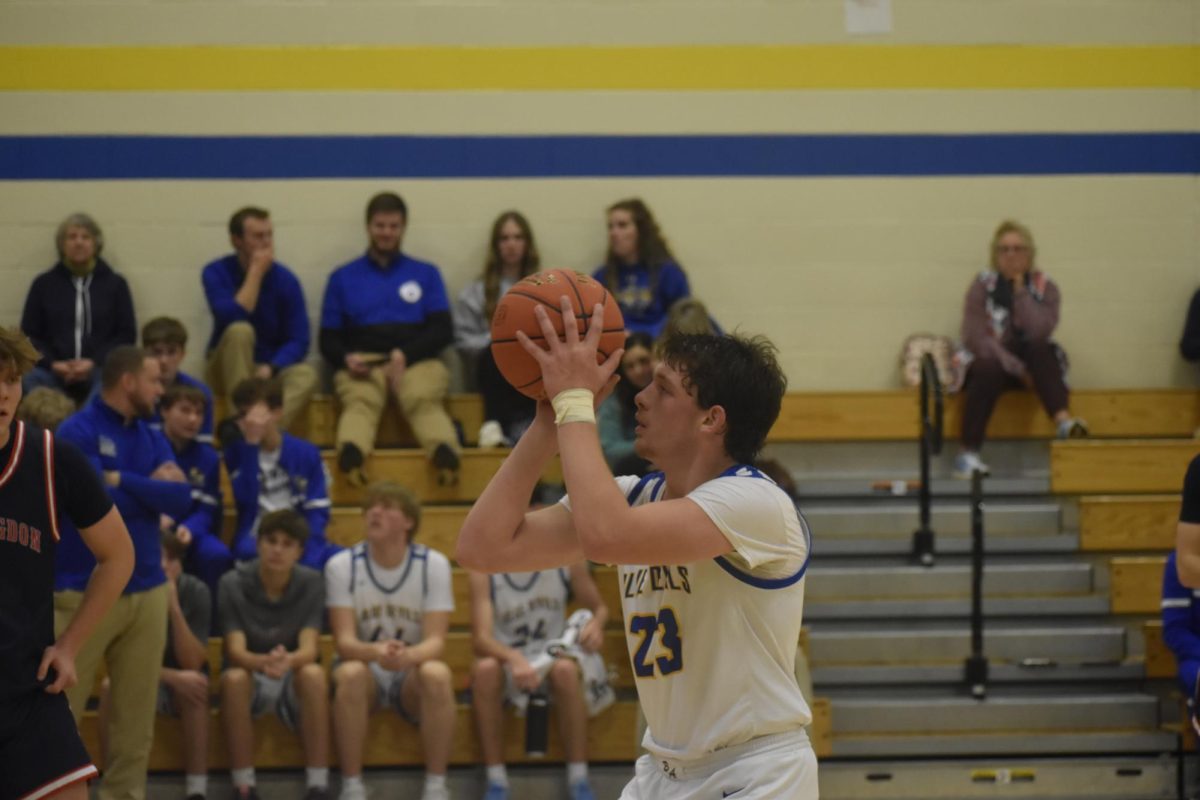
x,y
450,157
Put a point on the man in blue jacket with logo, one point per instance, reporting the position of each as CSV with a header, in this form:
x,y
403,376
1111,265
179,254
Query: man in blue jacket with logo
x,y
144,481
384,320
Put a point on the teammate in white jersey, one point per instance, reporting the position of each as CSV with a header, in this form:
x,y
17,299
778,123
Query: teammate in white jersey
x,y
712,555
513,618
389,605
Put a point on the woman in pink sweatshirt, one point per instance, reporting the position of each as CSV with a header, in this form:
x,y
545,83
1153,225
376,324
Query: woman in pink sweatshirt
x,y
1010,312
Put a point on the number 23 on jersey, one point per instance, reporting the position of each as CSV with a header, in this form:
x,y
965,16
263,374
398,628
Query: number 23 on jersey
x,y
665,627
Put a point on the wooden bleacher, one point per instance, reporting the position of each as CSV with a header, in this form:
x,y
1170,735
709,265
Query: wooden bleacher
x,y
1132,522
1099,466
862,416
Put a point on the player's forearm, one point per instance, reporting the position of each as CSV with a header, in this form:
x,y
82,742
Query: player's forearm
x,y
597,505
252,662
486,646
351,648
189,651
302,657
429,649
494,519
1187,564
103,589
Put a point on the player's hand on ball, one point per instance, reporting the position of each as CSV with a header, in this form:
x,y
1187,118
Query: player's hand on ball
x,y
63,663
570,363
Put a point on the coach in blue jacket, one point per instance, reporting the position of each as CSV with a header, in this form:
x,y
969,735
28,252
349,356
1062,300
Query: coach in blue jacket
x,y
145,482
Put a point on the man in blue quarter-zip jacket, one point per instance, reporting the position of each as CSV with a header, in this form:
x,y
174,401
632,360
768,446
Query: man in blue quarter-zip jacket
x,y
270,470
199,530
260,322
144,481
384,320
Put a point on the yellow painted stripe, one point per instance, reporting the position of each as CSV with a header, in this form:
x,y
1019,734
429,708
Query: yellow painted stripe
x,y
584,68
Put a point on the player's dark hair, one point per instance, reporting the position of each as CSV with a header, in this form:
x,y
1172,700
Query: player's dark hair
x,y
164,330
287,521
386,203
182,393
121,361
740,374
237,223
253,391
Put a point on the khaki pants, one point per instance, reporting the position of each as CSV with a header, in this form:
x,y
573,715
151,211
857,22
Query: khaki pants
x,y
232,361
130,640
422,398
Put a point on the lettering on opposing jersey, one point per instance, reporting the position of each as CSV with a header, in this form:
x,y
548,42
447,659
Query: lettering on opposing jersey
x,y
656,579
21,534
389,611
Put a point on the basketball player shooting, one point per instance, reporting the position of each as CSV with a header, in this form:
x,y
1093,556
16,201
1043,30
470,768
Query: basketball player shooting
x,y
711,554
41,754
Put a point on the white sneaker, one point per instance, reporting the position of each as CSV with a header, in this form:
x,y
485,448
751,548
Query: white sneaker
x,y
436,794
492,435
967,463
1073,428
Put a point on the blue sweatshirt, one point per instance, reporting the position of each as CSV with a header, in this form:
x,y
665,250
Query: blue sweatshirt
x,y
644,305
280,319
135,450
200,462
372,309
206,425
307,481
1180,616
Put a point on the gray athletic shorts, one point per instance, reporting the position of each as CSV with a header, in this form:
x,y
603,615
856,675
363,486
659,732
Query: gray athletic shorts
x,y
277,695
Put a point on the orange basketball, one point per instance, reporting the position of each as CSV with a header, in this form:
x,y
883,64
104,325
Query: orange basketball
x,y
514,313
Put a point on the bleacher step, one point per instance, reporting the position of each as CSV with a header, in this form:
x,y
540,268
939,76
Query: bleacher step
x,y
898,647
1037,778
1024,518
1097,676
828,583
1032,606
1065,742
1028,714
863,487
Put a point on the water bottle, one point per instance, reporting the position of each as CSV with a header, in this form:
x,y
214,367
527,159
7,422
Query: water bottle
x,y
537,722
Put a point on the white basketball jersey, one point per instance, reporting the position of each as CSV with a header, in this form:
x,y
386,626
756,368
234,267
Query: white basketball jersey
x,y
394,610
713,643
529,608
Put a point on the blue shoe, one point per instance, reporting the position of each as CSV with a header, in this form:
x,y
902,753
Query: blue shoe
x,y
582,791
496,792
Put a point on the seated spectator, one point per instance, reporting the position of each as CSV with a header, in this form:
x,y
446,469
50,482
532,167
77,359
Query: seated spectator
x,y
639,269
46,408
271,610
77,312
389,610
199,531
183,684
688,316
1009,314
615,421
384,320
517,622
270,470
165,338
260,321
1181,633
512,254
136,463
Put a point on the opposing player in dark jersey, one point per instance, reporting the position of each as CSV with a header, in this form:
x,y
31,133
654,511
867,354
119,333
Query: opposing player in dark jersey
x,y
41,754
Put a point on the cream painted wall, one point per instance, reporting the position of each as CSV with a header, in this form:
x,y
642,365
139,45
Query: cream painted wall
x,y
837,271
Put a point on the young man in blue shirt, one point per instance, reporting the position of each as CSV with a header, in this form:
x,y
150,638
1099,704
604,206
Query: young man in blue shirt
x,y
260,321
199,530
144,482
165,338
271,470
384,320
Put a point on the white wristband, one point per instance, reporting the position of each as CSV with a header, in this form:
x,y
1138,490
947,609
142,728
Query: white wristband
x,y
574,405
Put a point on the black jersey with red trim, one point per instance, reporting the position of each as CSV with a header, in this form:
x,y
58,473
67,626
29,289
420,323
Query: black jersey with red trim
x,y
41,479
